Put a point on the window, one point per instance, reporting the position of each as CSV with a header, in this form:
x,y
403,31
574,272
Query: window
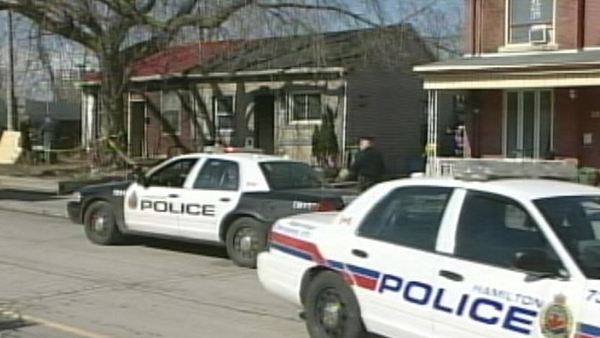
x,y
305,108
171,113
493,229
408,216
218,175
528,124
172,175
576,221
283,175
531,21
223,107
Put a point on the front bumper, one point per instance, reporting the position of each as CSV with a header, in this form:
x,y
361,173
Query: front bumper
x,y
282,275
74,212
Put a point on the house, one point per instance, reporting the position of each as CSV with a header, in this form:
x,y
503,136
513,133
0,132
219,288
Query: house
x,y
529,80
272,93
66,116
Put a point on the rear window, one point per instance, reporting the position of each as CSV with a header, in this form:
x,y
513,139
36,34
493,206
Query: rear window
x,y
283,175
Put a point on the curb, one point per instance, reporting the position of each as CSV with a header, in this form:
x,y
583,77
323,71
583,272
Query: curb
x,y
42,212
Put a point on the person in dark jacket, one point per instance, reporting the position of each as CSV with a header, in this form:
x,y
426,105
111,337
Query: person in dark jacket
x,y
368,165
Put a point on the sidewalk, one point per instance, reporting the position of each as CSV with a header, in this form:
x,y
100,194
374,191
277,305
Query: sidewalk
x,y
38,203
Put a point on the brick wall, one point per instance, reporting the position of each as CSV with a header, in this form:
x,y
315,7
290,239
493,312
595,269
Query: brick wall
x,y
566,24
486,126
590,123
491,20
566,124
592,28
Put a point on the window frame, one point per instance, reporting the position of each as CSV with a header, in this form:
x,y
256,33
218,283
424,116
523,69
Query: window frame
x,y
177,129
168,164
205,163
520,121
217,114
508,28
306,121
385,199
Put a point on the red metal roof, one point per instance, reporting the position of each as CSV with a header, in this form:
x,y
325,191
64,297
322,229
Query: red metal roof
x,y
177,59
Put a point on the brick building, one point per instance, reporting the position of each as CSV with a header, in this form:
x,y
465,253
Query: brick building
x,y
530,78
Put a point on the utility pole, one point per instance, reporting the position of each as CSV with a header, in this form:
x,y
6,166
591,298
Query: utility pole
x,y
11,111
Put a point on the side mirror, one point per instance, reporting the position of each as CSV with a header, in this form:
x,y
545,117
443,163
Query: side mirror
x,y
536,261
140,177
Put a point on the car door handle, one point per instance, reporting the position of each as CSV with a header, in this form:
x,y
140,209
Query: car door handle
x,y
453,276
225,199
360,253
173,196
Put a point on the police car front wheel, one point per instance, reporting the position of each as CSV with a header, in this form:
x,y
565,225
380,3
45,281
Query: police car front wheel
x,y
331,309
245,239
100,225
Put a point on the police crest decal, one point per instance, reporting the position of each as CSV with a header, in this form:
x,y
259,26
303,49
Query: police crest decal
x,y
132,201
556,319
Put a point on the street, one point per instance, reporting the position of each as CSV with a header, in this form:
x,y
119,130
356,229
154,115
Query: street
x,y
54,283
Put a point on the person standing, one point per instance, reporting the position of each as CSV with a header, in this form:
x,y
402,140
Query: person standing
x,y
48,133
368,166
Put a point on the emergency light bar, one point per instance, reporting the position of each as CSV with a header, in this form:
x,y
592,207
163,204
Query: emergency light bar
x,y
232,150
489,169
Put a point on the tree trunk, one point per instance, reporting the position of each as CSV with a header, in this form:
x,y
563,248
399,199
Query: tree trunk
x,y
112,99
112,103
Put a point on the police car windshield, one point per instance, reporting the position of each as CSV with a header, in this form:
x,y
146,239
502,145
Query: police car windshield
x,y
576,221
283,175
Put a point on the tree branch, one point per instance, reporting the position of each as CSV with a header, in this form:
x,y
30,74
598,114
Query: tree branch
x,y
327,8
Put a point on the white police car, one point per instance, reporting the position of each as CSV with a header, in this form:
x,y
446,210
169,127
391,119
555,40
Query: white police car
x,y
428,257
223,198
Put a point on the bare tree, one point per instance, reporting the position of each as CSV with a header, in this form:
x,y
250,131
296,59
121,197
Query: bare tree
x,y
119,32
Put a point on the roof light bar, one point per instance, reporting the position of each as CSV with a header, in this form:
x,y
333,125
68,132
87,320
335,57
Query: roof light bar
x,y
484,170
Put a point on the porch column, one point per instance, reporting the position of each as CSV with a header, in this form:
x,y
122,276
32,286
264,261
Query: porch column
x,y
432,133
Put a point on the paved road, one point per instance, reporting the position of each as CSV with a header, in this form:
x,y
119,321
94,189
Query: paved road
x,y
53,283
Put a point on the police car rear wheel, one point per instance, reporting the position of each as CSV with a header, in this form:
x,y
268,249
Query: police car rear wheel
x,y
331,309
100,225
245,239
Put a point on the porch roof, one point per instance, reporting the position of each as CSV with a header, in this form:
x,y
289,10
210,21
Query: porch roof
x,y
542,70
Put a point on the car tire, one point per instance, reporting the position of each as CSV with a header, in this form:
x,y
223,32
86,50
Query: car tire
x,y
331,308
245,239
100,224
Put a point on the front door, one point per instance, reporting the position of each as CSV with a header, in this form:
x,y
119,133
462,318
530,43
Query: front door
x,y
392,261
485,295
264,123
156,207
137,128
213,195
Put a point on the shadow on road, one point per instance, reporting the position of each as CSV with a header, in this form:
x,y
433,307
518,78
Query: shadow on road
x,y
22,196
9,323
197,248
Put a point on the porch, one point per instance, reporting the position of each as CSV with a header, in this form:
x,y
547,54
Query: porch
x,y
541,108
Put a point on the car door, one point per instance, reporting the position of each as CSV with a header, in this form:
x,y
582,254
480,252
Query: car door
x,y
392,258
214,193
485,291
155,207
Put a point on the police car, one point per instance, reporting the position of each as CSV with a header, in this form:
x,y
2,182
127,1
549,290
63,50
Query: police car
x,y
434,257
224,198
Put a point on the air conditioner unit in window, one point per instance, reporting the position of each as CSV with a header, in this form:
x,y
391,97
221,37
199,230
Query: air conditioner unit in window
x,y
539,34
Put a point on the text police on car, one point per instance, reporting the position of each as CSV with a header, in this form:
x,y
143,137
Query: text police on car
x,y
445,258
227,198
